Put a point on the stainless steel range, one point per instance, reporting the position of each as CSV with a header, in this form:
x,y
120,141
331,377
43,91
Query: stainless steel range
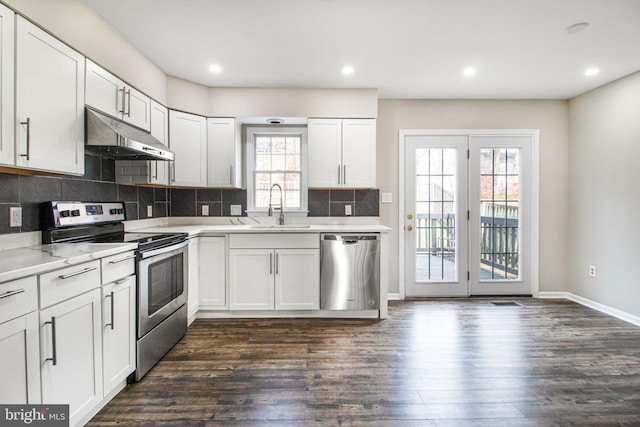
x,y
161,270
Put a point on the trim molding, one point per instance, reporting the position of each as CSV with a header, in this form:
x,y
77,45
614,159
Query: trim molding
x,y
635,320
395,296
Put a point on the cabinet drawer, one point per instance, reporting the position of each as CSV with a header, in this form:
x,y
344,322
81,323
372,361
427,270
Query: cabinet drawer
x,y
18,297
118,266
274,241
66,283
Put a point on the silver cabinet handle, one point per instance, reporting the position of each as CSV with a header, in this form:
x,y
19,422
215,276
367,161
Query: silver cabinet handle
x,y
338,174
28,124
112,324
172,171
54,353
123,99
129,99
11,293
277,264
270,264
156,175
230,174
344,174
77,273
117,261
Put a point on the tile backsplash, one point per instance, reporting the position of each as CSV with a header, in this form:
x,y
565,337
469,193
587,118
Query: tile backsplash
x,y
98,184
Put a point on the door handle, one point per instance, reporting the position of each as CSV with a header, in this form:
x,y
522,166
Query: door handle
x,y
124,101
77,273
28,125
112,324
54,352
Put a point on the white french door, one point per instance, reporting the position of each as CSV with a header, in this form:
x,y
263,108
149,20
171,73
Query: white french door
x,y
436,215
468,213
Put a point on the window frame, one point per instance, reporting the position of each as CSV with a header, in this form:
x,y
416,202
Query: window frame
x,y
251,132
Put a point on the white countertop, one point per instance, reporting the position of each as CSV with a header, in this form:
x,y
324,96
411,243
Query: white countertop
x,y
30,260
208,229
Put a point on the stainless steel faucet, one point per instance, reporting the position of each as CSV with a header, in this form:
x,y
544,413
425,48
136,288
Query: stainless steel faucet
x,y
271,205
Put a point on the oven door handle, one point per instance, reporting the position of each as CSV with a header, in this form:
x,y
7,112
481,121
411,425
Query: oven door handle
x,y
154,252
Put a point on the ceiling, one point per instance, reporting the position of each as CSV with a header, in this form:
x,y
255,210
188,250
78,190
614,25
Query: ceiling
x,y
404,48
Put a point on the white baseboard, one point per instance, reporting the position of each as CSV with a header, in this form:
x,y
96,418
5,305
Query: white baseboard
x,y
635,320
393,296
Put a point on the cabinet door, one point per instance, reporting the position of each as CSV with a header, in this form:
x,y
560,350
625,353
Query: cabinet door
x,y
223,147
188,140
76,376
194,279
212,262
19,360
137,109
251,279
105,92
7,143
359,153
118,331
324,145
49,102
159,170
297,279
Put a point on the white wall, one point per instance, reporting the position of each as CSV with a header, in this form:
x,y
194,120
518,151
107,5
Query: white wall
x,y
548,116
604,202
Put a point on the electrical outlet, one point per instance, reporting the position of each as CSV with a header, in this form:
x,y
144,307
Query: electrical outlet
x,y
347,210
15,217
205,210
592,270
149,211
387,197
236,210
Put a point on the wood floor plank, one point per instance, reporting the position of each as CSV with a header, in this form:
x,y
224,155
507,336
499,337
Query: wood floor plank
x,y
439,363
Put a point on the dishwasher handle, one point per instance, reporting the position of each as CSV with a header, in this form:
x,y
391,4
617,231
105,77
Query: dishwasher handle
x,y
351,239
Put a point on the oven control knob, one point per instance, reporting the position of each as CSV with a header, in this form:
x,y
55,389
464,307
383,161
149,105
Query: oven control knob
x,y
64,214
120,211
113,211
75,212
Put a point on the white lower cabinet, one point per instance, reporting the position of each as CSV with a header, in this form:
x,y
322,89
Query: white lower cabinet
x,y
285,276
212,273
193,258
71,354
297,279
19,347
118,332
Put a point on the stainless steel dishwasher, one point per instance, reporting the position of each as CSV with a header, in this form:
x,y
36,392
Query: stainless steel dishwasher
x,y
349,271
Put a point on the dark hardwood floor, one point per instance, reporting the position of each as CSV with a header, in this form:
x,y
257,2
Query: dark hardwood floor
x,y
462,362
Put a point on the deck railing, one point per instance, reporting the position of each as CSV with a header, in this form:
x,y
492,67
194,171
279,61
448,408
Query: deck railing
x,y
499,241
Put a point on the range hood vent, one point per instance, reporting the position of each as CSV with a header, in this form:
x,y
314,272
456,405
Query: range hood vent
x,y
115,139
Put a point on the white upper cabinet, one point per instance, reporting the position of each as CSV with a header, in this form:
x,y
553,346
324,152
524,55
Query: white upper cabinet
x,y
188,140
342,153
49,102
159,170
7,143
325,152
109,94
359,153
224,153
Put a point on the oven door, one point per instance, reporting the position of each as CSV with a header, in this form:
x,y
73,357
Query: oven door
x,y
162,284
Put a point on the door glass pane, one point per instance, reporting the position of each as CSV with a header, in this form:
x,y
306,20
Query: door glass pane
x,y
165,282
436,198
499,213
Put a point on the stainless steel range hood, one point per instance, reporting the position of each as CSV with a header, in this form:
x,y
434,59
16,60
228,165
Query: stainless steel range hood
x,y
113,138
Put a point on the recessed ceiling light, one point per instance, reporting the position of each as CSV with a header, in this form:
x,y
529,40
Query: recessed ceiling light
x,y
214,68
591,71
469,71
348,70
576,28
